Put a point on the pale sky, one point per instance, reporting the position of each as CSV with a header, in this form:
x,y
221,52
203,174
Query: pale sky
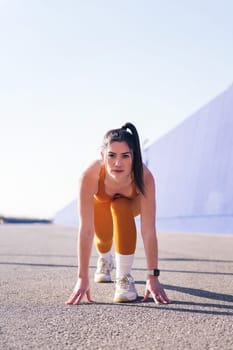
x,y
71,70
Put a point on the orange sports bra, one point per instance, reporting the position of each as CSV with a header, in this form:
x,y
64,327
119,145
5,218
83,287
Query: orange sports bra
x,y
102,196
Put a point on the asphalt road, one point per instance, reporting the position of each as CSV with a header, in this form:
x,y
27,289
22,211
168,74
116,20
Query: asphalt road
x,y
38,270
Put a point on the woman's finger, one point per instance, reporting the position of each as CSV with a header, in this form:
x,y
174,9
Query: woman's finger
x,y
160,298
146,295
155,297
78,299
164,298
88,294
72,298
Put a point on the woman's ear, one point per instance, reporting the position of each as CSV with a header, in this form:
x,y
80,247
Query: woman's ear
x,y
102,155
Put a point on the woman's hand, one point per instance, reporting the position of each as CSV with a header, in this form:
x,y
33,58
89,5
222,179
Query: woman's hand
x,y
154,288
80,290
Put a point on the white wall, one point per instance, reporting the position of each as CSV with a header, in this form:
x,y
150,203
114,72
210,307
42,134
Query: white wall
x,y
193,167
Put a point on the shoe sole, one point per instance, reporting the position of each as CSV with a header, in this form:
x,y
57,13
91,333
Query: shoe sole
x,y
121,299
102,280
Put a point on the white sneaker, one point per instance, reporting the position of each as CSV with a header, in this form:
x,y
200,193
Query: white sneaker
x,y
103,270
125,289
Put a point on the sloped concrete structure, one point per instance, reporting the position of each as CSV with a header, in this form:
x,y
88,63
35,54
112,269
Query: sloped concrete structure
x,y
68,215
193,168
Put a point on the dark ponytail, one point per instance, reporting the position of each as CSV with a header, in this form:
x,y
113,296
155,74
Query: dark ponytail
x,y
128,133
137,157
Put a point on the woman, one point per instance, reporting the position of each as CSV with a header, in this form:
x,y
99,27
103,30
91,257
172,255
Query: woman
x,y
112,192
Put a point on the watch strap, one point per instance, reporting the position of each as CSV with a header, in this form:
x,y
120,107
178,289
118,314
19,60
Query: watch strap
x,y
153,272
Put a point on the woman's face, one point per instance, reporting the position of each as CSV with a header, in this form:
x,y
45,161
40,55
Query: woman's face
x,y
118,160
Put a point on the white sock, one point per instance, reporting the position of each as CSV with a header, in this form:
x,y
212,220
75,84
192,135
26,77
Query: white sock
x,y
124,264
107,256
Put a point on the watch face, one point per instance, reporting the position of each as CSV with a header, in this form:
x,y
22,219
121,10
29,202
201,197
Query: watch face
x,y
156,272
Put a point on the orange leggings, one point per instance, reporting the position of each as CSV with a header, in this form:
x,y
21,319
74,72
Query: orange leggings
x,y
114,221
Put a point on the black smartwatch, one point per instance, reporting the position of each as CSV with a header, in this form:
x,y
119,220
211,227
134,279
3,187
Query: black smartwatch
x,y
153,272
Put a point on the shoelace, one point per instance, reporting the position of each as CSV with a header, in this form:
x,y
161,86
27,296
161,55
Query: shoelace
x,y
103,266
123,282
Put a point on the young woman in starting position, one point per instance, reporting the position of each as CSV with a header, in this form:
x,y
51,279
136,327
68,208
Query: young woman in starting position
x,y
112,191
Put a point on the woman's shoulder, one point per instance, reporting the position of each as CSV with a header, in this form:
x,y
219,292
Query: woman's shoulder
x,y
88,181
94,165
92,170
147,173
149,183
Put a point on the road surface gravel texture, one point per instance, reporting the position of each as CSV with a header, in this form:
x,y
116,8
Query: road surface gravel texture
x,y
38,268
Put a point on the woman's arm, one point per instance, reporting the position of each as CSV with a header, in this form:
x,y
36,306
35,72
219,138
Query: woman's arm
x,y
149,236
88,186
148,225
